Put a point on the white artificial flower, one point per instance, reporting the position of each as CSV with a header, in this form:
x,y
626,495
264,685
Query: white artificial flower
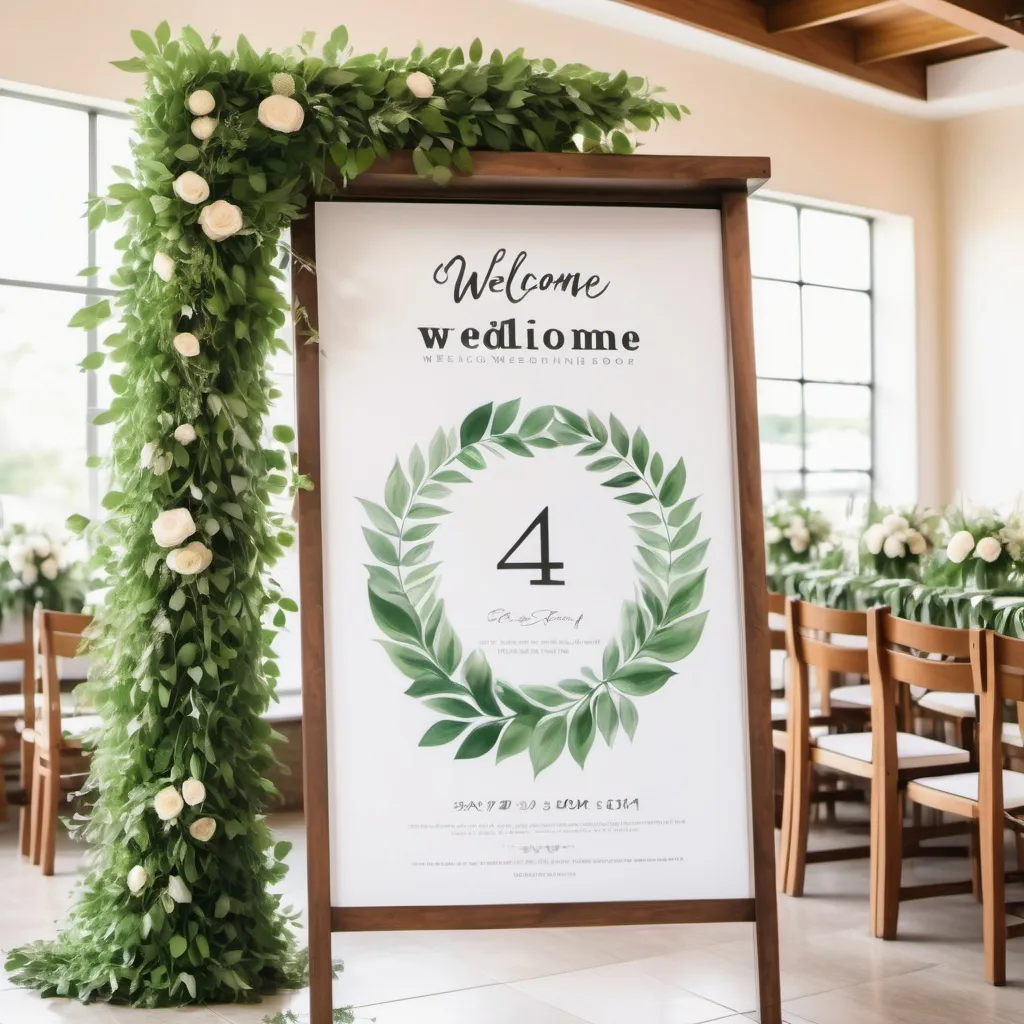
x,y
960,546
204,127
147,454
18,555
191,187
186,344
201,102
800,542
163,266
773,535
796,525
173,526
916,542
193,791
220,220
191,559
874,538
137,879
162,462
893,522
185,434
49,568
203,829
988,549
168,803
40,544
29,575
420,85
281,113
894,547
178,890
283,84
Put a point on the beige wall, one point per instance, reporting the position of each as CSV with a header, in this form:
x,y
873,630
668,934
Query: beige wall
x,y
983,158
822,146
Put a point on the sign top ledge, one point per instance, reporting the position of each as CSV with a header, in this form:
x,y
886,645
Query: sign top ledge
x,y
570,177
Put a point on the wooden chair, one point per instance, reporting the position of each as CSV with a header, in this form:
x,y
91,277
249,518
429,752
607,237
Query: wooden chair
x,y
17,711
903,654
984,797
821,638
59,761
815,640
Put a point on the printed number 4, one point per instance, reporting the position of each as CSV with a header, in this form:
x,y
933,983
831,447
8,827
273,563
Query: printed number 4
x,y
545,564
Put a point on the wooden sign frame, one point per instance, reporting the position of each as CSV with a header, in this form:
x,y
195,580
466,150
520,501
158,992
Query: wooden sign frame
x,y
720,183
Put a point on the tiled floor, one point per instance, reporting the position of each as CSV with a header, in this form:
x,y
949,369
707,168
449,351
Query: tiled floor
x,y
832,971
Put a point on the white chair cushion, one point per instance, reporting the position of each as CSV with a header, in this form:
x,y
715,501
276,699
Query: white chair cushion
x,y
1011,734
966,785
852,696
80,724
780,707
959,705
911,751
13,706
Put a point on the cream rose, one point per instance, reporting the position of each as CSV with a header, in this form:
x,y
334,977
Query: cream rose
x,y
185,434
203,829
186,344
40,544
420,85
178,890
893,523
191,559
29,575
281,113
894,547
204,127
191,187
874,538
173,526
146,455
988,549
193,791
49,568
137,879
201,102
163,266
772,535
917,542
960,546
283,84
220,220
168,803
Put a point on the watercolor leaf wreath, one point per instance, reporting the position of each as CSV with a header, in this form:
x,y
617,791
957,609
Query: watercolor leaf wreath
x,y
657,629
178,906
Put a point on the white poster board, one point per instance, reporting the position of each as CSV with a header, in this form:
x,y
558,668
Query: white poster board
x,y
474,345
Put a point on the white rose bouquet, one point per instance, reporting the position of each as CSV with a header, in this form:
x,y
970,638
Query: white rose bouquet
x,y
897,542
985,550
793,532
36,567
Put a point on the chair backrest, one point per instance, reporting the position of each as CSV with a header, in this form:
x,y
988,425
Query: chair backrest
x,y
23,650
56,635
902,654
819,638
1004,665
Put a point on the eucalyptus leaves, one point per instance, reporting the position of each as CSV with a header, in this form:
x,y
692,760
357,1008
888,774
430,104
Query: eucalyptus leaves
x,y
659,627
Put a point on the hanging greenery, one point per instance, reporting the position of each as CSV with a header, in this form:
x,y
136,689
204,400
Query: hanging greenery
x,y
230,147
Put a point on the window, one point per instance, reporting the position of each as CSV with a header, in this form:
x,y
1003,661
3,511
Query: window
x,y
46,403
813,334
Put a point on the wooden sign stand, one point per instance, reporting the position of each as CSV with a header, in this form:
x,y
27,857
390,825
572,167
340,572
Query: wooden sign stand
x,y
720,183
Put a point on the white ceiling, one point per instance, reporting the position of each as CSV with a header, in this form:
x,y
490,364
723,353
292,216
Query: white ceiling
x,y
983,82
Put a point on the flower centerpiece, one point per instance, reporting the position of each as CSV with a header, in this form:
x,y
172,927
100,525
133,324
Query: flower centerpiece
x,y
794,533
35,568
897,542
984,549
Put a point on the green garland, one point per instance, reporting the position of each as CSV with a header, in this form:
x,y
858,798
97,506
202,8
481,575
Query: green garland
x,y
177,907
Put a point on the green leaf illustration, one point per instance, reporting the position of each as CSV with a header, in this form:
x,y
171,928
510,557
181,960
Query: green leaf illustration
x,y
442,732
607,717
641,449
681,512
479,741
622,480
536,421
639,678
474,426
620,439
608,462
395,620
516,737
452,706
504,416
381,547
547,742
628,716
546,695
581,733
481,682
657,468
396,490
675,642
686,594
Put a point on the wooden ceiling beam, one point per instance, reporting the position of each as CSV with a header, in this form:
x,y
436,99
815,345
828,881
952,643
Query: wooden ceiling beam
x,y
831,47
796,15
914,34
981,17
